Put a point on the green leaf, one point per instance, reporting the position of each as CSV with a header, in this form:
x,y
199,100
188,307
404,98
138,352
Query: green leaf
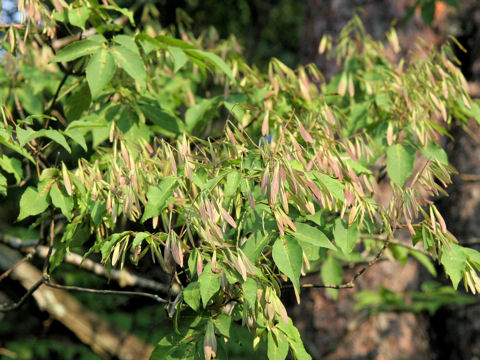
x,y
5,139
196,117
132,63
100,70
223,323
334,186
287,255
181,345
32,202
148,43
139,238
61,200
77,103
345,237
179,58
214,59
157,197
428,11
3,185
30,101
473,256
209,284
170,41
77,49
12,166
232,182
332,274
311,235
25,135
191,295
166,124
249,288
77,136
425,261
453,260
97,210
126,12
57,137
435,152
253,248
79,16
294,339
127,42
277,346
400,160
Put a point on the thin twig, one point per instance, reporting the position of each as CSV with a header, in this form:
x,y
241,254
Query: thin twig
x,y
155,297
470,242
469,177
7,272
395,242
57,92
14,306
351,284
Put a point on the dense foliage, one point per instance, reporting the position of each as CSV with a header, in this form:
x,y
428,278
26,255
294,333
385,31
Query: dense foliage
x,y
130,142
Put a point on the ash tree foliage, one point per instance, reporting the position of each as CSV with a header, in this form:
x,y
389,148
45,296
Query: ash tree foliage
x,y
128,141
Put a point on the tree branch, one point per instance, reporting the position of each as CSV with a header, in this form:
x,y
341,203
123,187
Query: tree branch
x,y
46,281
103,338
351,284
16,305
123,277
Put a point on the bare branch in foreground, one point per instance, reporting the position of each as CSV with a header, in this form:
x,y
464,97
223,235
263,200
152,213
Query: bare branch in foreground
x,y
103,338
123,277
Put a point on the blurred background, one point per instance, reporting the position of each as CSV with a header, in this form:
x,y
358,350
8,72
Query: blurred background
x,y
332,329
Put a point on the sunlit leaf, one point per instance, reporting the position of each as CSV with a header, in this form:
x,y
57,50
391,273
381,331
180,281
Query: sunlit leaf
x,y
157,197
77,49
32,202
100,70
400,160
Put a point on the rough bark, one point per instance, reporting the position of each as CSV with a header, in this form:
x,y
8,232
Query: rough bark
x,y
328,17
